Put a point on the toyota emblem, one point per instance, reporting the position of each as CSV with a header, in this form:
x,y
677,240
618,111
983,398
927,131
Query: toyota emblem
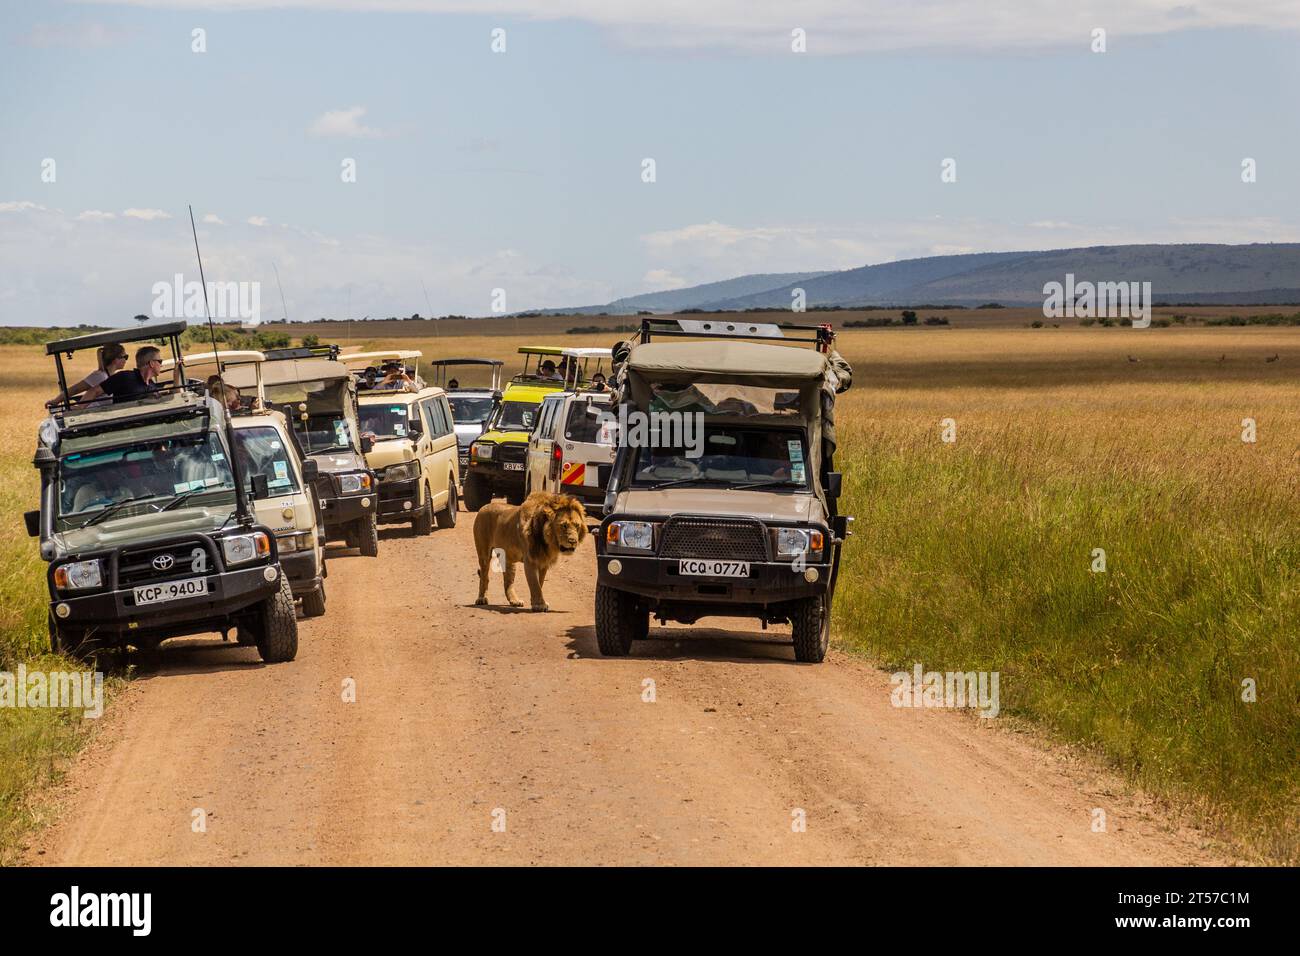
x,y
163,562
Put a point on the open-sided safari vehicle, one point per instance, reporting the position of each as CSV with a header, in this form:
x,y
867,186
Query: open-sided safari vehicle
x,y
145,520
723,497
318,396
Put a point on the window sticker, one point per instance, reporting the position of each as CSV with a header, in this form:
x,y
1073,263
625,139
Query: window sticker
x,y
209,482
796,473
180,487
218,456
796,450
281,472
340,433
275,444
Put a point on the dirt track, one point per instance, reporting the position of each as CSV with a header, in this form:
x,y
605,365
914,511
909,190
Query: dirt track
x,y
463,711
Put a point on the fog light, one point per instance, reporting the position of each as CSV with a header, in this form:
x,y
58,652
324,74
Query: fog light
x,y
811,575
365,502
270,573
62,610
406,506
615,566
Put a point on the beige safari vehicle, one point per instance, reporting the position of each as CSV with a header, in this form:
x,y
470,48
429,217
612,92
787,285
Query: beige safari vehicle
x,y
723,499
414,453
266,448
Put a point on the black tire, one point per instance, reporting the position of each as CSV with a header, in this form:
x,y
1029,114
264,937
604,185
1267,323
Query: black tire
x,y
477,492
245,637
313,602
422,523
71,642
350,537
368,537
810,622
277,626
620,620
447,516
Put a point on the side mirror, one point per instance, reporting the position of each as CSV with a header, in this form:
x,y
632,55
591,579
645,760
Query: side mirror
x,y
834,483
33,522
310,470
367,444
415,428
261,487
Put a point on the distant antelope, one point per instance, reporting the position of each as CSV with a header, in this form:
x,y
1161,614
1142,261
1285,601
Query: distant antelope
x,y
1223,357
1132,359
1272,358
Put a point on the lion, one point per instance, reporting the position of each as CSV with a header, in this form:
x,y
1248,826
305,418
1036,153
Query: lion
x,y
537,532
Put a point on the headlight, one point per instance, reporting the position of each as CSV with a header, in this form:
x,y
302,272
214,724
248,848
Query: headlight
x,y
481,450
795,541
353,484
295,541
78,575
241,548
402,472
631,534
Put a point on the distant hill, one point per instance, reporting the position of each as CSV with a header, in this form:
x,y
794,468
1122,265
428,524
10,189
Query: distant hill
x,y
1259,273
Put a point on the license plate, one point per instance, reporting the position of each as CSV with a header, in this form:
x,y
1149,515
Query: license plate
x,y
714,569
464,459
170,591
513,465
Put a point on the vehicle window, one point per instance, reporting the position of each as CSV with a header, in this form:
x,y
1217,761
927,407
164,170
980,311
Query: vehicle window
x,y
433,424
444,409
263,452
731,455
384,420
469,411
714,399
157,471
516,416
591,422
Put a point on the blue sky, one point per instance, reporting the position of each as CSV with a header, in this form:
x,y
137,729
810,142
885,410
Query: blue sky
x,y
522,170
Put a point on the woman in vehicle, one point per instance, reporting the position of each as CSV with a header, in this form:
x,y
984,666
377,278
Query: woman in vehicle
x,y
111,359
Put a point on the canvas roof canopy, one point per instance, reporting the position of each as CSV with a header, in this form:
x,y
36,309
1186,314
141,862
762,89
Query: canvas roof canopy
x,y
731,362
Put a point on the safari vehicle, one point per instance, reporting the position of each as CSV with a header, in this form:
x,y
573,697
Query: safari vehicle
x,y
266,447
146,524
318,397
498,458
413,448
571,450
728,507
471,407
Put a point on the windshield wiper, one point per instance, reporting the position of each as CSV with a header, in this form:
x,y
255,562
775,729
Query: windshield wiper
x,y
114,508
766,482
678,481
185,496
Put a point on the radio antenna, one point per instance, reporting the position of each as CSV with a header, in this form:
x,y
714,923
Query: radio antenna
x,y
203,280
429,305
284,306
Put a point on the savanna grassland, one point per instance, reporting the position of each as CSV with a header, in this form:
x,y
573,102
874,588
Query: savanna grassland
x,y
981,553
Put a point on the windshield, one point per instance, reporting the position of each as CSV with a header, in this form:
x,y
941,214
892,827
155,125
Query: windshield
x,y
516,416
384,421
263,453
732,455
469,411
591,422
324,433
152,472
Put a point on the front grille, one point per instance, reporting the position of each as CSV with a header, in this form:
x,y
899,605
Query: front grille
x,y
512,451
732,539
188,559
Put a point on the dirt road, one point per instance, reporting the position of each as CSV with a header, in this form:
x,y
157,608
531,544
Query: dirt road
x,y
468,717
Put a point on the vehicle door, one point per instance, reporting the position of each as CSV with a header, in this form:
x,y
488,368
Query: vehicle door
x,y
438,448
541,442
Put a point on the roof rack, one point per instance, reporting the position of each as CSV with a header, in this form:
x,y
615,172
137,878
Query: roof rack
x,y
821,336
302,352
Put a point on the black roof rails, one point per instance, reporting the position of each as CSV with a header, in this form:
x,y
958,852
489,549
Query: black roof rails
x,y
95,339
821,336
302,352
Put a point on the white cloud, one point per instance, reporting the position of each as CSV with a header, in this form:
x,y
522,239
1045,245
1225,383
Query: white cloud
x,y
837,26
258,221
660,280
81,35
214,219
59,270
23,205
149,215
344,123
95,215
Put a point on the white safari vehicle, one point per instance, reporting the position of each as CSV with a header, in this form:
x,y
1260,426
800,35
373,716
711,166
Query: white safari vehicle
x,y
571,450
414,450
